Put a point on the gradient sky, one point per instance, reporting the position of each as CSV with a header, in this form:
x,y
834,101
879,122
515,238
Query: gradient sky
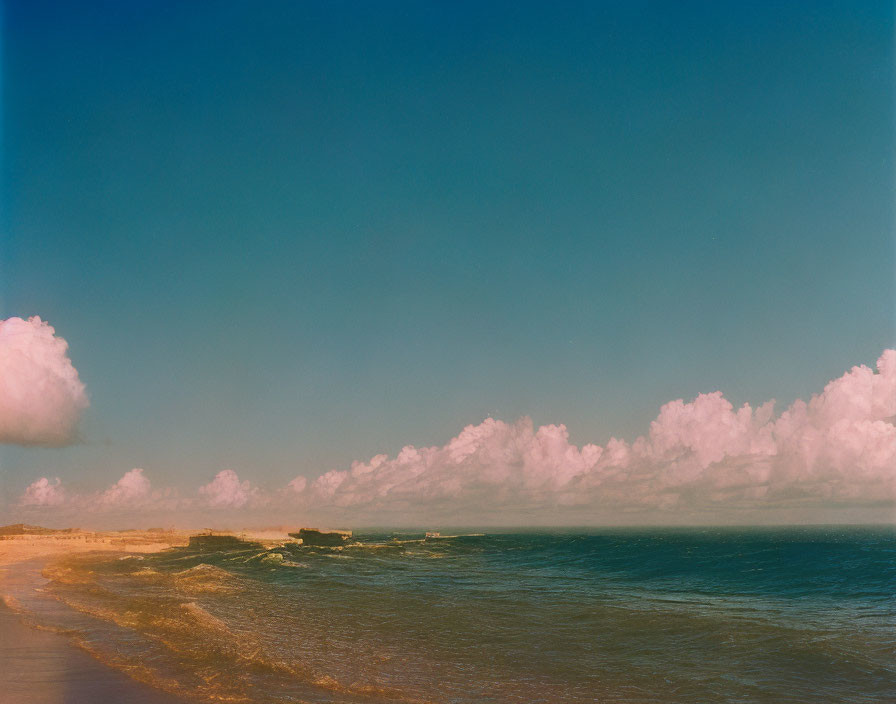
x,y
279,237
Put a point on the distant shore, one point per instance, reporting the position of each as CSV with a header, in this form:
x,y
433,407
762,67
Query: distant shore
x,y
41,667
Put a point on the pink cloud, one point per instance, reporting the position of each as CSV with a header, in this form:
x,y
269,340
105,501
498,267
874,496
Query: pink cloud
x,y
839,447
297,485
132,489
131,492
41,396
44,492
227,491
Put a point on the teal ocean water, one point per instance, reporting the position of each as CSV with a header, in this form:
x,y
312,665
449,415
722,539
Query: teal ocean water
x,y
623,615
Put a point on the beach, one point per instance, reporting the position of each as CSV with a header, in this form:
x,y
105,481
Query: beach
x,y
618,615
40,666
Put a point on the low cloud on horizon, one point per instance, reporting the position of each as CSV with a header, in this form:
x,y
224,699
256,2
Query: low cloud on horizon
x,y
698,457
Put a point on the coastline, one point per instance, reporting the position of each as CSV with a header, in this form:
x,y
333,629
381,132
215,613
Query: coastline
x,y
38,666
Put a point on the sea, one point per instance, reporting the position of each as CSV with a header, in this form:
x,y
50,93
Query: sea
x,y
780,615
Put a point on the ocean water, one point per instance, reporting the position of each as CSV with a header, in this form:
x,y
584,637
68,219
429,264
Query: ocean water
x,y
623,615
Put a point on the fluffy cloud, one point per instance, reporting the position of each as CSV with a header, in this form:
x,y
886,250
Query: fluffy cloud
x,y
132,489
132,492
44,492
297,485
840,447
41,396
227,491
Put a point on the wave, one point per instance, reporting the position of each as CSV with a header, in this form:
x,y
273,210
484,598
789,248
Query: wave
x,y
205,578
196,645
565,619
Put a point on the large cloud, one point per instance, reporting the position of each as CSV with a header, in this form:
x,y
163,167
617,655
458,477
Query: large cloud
x,y
840,448
41,396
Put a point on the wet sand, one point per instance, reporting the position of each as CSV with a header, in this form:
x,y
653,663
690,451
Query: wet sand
x,y
41,667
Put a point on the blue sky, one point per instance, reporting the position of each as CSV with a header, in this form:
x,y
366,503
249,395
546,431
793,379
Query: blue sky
x,y
282,236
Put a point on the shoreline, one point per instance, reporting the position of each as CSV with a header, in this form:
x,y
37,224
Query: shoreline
x,y
38,666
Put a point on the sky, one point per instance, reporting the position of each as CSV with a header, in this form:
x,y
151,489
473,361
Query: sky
x,y
283,238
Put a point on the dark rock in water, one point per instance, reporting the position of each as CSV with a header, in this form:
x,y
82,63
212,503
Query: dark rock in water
x,y
218,542
330,538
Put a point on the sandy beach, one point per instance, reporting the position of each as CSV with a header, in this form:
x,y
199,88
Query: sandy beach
x,y
19,548
42,667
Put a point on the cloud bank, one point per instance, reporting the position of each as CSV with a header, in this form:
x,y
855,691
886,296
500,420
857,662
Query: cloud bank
x,y
131,494
133,491
41,396
704,455
837,449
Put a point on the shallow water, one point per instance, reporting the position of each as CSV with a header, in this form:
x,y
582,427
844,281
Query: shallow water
x,y
721,615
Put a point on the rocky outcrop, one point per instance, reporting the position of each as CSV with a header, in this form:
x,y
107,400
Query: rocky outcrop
x,y
320,538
